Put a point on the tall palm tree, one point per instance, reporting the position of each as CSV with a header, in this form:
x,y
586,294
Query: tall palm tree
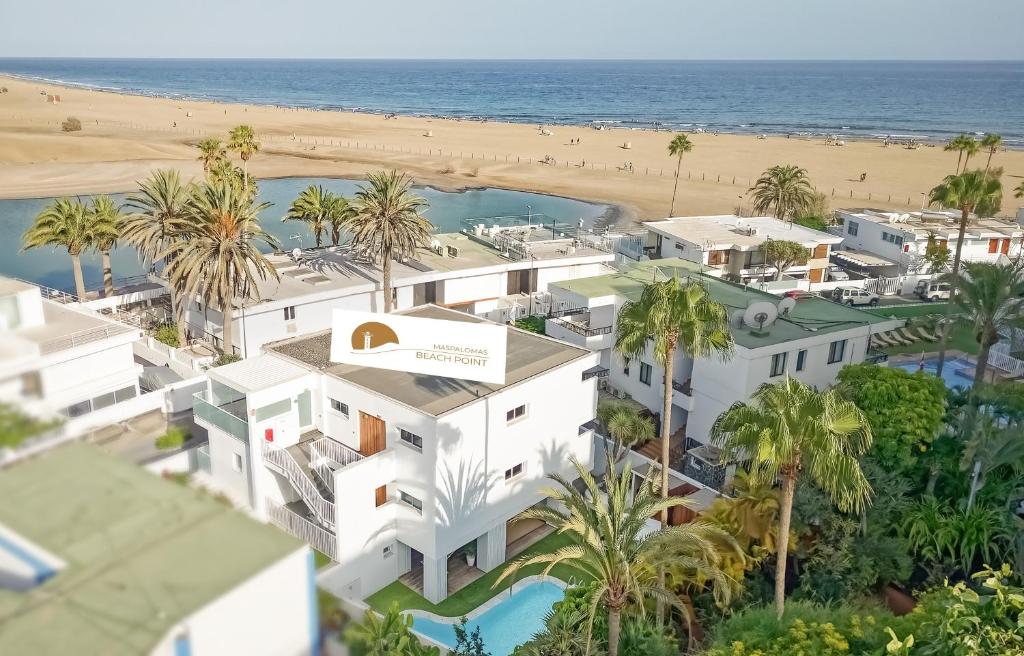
x,y
386,223
242,139
957,144
312,207
339,213
104,211
625,425
679,146
993,296
991,142
68,224
967,192
219,259
782,190
789,429
609,546
211,151
971,146
157,218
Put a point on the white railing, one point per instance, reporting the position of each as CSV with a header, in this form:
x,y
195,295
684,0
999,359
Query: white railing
x,y
1002,359
336,451
322,470
302,483
315,536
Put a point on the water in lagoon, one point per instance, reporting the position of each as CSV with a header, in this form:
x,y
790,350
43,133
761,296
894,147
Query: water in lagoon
x,y
52,267
934,99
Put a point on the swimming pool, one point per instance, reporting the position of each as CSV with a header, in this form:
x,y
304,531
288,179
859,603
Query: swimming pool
x,y
957,372
508,620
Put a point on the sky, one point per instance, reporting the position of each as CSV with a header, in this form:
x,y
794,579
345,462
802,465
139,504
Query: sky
x,y
515,29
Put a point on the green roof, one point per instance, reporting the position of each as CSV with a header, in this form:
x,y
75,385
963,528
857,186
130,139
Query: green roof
x,y
142,553
811,316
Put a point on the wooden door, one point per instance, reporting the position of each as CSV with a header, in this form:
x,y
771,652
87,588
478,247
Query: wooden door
x,y
816,275
1004,247
371,434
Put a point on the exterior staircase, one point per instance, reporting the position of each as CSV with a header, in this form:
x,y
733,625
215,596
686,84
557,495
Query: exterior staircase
x,y
305,482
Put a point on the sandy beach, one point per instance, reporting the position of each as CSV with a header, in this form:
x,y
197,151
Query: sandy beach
x,y
123,137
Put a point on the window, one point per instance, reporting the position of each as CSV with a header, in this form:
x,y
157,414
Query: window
x,y
515,472
339,407
778,364
851,228
678,246
289,313
993,245
413,440
836,350
236,461
103,401
124,394
891,238
411,501
78,409
801,359
645,373
388,551
380,495
517,412
625,367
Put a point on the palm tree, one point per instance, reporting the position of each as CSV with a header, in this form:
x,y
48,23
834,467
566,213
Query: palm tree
x,y
104,211
389,634
609,545
671,315
787,429
312,207
339,213
156,220
971,148
679,146
386,223
218,259
966,192
242,139
625,425
957,144
993,295
782,190
1019,191
211,151
991,142
69,224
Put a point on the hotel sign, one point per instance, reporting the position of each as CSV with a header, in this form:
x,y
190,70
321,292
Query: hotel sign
x,y
452,349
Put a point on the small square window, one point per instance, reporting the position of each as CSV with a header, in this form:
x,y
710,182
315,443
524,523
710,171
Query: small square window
x,y
388,551
236,462
836,350
411,501
778,364
339,407
515,413
411,439
289,313
801,359
515,472
645,373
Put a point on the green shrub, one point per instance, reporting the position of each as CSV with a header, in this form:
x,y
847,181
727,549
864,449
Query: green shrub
x,y
16,426
226,358
173,438
72,124
533,324
167,334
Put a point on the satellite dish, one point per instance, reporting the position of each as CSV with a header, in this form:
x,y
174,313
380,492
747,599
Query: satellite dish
x,y
785,305
760,314
296,254
736,318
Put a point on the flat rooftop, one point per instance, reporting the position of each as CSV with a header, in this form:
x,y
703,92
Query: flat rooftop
x,y
65,328
527,355
336,267
142,553
945,223
810,316
728,231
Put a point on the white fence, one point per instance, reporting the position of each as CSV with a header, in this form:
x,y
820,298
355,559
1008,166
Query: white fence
x,y
313,535
181,361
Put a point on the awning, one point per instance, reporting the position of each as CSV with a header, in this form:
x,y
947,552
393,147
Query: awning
x,y
861,258
596,371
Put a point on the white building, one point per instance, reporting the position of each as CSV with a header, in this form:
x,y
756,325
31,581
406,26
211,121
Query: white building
x,y
733,245
391,473
482,273
58,359
99,557
811,339
898,239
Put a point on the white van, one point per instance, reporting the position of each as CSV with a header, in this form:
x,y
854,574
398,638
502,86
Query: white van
x,y
933,290
854,296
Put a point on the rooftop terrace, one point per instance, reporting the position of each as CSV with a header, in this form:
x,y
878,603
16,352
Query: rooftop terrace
x,y
944,223
810,316
728,231
142,553
527,355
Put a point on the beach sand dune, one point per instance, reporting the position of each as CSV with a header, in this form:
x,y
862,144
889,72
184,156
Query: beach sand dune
x,y
124,137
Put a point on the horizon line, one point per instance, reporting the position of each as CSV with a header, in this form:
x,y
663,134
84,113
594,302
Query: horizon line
x,y
522,59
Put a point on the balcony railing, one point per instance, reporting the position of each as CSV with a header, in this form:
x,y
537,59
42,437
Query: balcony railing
x,y
336,451
309,532
582,329
203,458
683,388
219,416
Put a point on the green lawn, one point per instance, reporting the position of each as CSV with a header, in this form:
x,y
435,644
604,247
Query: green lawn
x,y
475,593
321,560
907,311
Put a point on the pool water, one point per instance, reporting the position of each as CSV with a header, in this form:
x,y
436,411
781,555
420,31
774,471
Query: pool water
x,y
514,620
957,372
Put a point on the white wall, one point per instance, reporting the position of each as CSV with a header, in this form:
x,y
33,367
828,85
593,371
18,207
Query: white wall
x,y
85,375
234,484
271,614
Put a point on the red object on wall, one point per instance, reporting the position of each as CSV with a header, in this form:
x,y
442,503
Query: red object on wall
x,y
268,434
906,248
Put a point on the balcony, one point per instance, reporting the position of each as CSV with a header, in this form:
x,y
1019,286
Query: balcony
x,y
682,395
229,417
576,329
703,464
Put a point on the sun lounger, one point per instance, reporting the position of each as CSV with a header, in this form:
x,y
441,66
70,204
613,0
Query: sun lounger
x,y
882,341
893,336
907,335
927,336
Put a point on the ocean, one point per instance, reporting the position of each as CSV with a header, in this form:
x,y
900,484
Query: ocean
x,y
927,100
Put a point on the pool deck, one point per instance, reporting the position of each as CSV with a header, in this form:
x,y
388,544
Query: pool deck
x,y
992,374
487,605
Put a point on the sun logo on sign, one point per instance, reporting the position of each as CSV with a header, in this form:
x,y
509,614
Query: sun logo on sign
x,y
373,336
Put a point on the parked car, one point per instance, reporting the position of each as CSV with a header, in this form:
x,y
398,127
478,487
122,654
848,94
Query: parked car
x,y
854,296
836,274
933,290
799,293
